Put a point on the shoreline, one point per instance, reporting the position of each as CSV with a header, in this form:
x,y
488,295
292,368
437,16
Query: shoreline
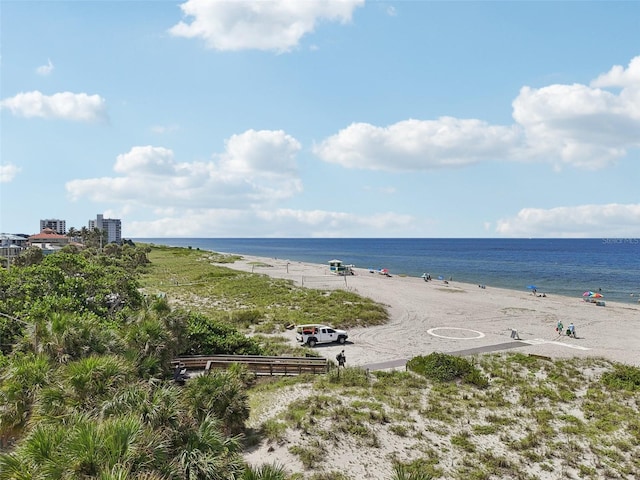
x,y
510,264
455,317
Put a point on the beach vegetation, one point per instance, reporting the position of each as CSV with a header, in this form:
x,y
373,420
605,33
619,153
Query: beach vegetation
x,y
416,470
274,430
330,475
447,368
86,388
310,454
591,433
624,377
266,471
195,278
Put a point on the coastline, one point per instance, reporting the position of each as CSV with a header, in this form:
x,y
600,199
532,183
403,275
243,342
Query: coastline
x,y
557,266
457,318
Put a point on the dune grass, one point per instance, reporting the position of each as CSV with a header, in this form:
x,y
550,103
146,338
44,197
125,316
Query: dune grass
x,y
534,419
197,279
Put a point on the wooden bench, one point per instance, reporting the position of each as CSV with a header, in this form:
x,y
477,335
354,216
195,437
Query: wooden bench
x,y
259,364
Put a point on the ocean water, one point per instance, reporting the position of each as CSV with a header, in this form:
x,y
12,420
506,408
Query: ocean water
x,y
566,267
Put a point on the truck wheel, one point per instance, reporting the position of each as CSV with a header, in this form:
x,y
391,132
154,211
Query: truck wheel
x,y
341,340
311,342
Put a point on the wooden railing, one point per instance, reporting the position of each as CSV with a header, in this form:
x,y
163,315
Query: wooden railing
x,y
259,364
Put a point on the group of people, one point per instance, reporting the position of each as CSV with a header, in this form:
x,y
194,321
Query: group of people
x,y
570,332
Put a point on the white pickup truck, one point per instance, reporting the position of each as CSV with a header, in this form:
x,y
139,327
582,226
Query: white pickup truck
x,y
314,333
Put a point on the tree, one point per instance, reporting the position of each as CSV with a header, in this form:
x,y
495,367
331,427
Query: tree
x,y
31,256
73,233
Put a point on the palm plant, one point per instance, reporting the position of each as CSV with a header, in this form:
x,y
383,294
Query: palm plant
x,y
21,382
92,379
222,394
402,472
157,404
264,472
204,452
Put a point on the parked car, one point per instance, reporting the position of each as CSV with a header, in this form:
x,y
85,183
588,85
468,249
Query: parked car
x,y
314,333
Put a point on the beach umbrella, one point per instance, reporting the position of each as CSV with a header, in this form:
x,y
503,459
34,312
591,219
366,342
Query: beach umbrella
x,y
596,295
587,294
532,287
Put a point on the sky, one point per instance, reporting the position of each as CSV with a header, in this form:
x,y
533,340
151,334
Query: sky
x,y
333,118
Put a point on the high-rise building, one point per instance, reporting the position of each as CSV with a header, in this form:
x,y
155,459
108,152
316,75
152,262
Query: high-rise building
x,y
58,226
112,226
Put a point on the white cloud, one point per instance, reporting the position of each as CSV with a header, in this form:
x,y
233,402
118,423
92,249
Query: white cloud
x,y
146,160
588,221
8,172
266,151
267,223
277,25
45,70
258,167
418,144
64,105
576,125
619,77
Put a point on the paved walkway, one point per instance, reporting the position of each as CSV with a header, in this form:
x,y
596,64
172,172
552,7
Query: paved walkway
x,y
460,353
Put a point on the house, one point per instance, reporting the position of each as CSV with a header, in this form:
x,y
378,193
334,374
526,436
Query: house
x,y
48,240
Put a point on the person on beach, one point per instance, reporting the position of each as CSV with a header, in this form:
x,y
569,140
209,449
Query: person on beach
x,y
571,331
341,358
559,327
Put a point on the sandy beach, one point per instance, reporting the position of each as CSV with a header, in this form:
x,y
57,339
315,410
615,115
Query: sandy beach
x,y
450,317
435,316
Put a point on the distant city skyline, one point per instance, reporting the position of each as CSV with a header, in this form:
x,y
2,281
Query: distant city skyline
x,y
322,118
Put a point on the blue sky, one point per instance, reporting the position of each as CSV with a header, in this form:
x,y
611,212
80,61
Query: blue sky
x,y
322,118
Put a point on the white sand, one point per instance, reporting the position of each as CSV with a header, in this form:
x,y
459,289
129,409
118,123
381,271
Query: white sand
x,y
464,316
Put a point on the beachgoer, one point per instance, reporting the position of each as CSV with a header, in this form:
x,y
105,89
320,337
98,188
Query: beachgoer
x,y
572,330
560,327
341,358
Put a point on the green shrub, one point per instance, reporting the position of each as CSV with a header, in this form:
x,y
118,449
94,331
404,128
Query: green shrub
x,y
623,377
274,430
446,368
208,337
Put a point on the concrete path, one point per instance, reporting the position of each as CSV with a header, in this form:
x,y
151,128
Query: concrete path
x,y
401,363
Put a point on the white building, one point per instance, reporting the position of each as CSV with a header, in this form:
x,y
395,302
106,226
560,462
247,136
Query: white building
x,y
112,226
12,245
58,226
